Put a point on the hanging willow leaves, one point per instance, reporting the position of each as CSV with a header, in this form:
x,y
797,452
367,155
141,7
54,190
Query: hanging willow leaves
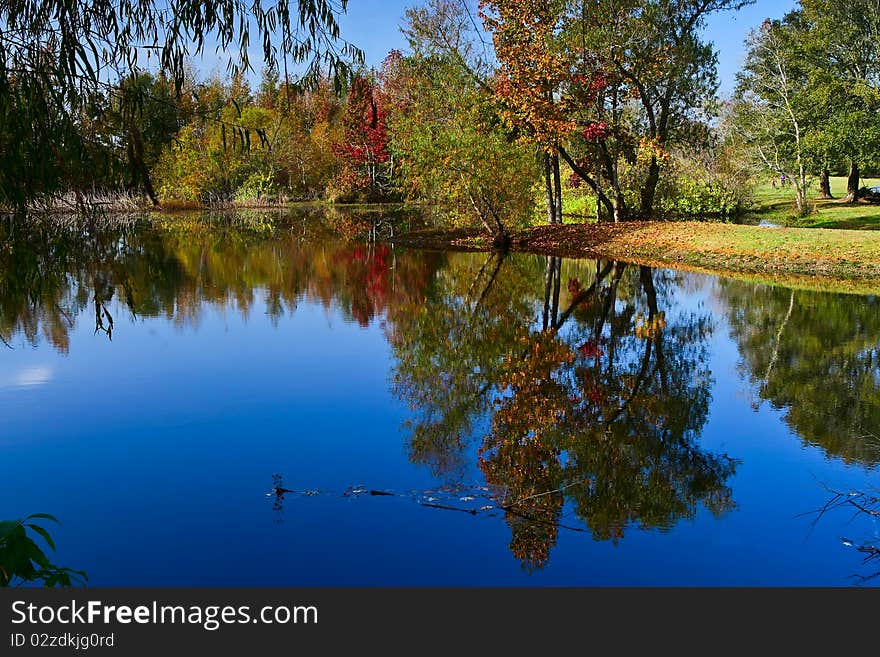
x,y
60,59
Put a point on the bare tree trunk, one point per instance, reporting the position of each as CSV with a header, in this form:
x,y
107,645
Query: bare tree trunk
x,y
548,186
852,183
825,184
139,170
619,206
557,188
801,185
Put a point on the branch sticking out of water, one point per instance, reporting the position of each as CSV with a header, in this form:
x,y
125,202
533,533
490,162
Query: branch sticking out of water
x,y
864,504
473,500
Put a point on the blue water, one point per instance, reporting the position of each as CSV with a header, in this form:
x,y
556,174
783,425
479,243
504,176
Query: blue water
x,y
156,448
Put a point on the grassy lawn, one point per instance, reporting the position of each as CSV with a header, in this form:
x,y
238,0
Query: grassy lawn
x,y
772,204
841,260
777,205
835,260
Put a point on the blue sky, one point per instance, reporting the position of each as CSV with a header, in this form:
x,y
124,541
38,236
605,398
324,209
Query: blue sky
x,y
373,25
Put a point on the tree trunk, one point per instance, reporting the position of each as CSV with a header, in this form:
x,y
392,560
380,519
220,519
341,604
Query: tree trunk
x,y
852,183
650,189
548,285
548,186
825,184
800,201
139,170
557,188
619,206
587,178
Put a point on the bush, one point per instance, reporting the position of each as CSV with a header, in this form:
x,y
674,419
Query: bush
x,y
702,199
259,186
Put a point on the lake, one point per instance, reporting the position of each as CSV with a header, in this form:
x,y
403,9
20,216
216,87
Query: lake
x,y
246,402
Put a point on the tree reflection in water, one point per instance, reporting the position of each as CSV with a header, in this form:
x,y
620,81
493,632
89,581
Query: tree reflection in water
x,y
578,387
816,356
54,271
589,394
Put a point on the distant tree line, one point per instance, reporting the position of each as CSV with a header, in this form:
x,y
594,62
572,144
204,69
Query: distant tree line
x,y
495,106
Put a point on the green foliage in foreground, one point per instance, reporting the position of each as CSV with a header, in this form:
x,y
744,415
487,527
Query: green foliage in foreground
x,y
22,561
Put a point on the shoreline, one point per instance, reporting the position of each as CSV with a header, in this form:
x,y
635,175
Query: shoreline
x,y
808,258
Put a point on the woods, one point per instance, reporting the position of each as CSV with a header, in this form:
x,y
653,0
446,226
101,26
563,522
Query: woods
x,y
495,109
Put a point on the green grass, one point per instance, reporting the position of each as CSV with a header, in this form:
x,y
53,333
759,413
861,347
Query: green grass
x,y
843,260
578,205
772,204
777,205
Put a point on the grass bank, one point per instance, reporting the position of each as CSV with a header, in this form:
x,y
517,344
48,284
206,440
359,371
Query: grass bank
x,y
840,260
776,204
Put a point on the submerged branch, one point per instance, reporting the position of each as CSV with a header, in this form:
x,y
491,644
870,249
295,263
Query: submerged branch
x,y
441,499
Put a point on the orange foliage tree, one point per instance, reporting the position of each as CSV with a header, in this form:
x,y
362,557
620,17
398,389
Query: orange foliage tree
x,y
608,85
544,93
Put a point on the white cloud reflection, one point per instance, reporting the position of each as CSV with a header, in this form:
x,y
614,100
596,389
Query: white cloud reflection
x,y
30,376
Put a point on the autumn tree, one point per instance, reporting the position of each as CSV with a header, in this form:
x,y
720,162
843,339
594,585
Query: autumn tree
x,y
305,140
222,152
539,91
364,150
446,134
605,84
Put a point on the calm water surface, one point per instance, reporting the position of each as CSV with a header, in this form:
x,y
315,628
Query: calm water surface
x,y
537,421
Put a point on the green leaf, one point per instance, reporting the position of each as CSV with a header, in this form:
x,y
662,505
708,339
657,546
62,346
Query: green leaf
x,y
44,516
42,532
7,527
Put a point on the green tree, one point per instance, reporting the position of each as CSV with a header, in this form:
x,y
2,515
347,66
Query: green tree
x,y
840,43
446,134
773,108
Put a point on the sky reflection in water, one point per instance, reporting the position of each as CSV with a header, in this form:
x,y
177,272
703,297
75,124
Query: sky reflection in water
x,y
156,378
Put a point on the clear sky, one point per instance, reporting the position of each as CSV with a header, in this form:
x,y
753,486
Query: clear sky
x,y
373,25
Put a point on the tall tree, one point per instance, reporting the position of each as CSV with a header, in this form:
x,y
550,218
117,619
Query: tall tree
x,y
840,43
539,90
772,105
367,165
446,134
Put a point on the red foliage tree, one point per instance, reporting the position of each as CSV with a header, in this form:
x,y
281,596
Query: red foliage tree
x,y
365,147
